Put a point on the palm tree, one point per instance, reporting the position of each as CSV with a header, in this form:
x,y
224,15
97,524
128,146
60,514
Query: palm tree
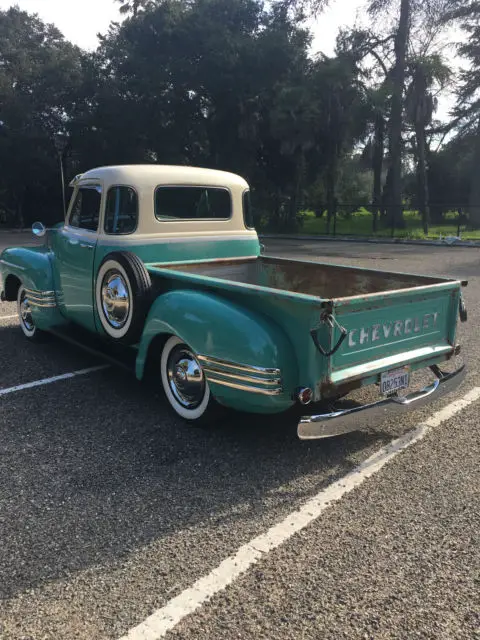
x,y
467,110
424,72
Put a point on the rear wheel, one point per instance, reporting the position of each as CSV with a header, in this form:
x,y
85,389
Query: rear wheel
x,y
25,317
185,385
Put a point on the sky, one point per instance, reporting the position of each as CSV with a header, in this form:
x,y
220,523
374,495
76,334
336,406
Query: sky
x,y
80,24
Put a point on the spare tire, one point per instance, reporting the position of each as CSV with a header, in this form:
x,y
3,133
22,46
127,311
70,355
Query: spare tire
x,y
123,293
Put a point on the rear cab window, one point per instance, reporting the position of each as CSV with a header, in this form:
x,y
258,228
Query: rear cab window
x,y
175,203
247,210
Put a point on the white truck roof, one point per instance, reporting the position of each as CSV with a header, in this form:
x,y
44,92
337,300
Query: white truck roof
x,y
151,175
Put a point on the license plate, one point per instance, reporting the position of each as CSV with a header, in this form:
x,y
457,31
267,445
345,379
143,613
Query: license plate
x,y
392,381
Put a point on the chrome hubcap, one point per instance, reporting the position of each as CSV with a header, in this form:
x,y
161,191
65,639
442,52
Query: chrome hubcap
x,y
115,299
26,313
185,377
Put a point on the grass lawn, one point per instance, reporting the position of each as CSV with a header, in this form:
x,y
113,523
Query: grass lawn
x,y
360,224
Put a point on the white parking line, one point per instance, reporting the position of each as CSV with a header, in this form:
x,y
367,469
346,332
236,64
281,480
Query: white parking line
x,y
15,315
163,620
63,376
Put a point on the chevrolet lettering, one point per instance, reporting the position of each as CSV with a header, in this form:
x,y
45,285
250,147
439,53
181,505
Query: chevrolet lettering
x,y
159,268
393,329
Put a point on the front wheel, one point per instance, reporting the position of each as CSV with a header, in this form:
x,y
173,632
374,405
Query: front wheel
x,y
25,318
185,385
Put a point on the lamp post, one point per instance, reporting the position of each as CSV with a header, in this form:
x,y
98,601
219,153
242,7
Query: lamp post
x,y
61,141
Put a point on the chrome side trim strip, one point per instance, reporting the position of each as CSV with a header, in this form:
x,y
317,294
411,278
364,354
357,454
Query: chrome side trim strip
x,y
34,298
42,299
46,305
37,292
234,376
10,264
242,387
213,363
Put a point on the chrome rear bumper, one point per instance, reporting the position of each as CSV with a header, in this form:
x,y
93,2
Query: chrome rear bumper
x,y
368,416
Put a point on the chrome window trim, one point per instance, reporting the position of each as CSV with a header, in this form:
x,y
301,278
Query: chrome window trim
x,y
88,185
191,186
116,186
246,192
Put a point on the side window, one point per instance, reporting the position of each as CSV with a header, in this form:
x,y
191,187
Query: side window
x,y
86,208
192,203
121,210
247,210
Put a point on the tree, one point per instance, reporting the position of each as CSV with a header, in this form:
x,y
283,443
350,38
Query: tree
x,y
133,6
467,110
419,24
372,54
395,125
39,77
420,106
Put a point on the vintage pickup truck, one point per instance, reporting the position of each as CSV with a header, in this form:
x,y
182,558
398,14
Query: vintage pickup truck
x,y
164,262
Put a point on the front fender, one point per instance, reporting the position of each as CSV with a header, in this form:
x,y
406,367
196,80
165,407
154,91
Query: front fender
x,y
32,267
221,330
30,264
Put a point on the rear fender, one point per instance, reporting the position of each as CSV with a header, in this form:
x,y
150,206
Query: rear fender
x,y
220,330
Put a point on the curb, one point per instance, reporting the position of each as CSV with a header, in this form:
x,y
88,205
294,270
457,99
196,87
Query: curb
x,y
429,243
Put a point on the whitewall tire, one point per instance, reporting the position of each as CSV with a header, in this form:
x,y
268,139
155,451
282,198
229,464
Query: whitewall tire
x,y
25,318
114,299
122,296
184,383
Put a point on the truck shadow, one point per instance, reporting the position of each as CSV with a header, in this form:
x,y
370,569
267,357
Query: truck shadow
x,y
95,468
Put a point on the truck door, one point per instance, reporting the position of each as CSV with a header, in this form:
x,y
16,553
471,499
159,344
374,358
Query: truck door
x,y
74,252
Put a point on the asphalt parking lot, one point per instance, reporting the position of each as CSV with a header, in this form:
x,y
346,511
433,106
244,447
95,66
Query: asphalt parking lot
x,y
110,508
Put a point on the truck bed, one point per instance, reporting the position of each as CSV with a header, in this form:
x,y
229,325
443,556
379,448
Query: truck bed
x,y
321,280
388,320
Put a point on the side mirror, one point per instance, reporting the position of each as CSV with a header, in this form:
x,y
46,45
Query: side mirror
x,y
38,229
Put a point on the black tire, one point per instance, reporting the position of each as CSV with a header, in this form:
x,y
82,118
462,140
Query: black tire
x,y
123,306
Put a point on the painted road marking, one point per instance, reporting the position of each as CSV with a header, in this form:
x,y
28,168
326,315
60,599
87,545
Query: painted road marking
x,y
15,315
40,383
163,620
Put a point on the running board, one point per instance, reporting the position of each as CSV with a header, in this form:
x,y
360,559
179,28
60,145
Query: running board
x,y
116,354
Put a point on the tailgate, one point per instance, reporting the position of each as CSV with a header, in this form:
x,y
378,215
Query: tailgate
x,y
395,328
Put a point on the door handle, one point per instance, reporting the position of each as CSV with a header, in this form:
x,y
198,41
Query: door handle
x,y
86,246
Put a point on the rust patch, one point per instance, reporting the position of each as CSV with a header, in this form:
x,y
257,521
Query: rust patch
x,y
328,389
310,278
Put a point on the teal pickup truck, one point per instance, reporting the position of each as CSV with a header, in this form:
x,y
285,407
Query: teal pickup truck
x,y
163,264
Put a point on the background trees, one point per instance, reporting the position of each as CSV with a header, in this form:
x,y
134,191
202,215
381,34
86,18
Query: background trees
x,y
231,84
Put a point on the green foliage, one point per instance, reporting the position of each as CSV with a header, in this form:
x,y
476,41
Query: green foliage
x,y
39,79
227,84
360,222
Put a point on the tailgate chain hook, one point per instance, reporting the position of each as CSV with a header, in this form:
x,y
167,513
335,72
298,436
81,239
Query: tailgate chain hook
x,y
330,320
